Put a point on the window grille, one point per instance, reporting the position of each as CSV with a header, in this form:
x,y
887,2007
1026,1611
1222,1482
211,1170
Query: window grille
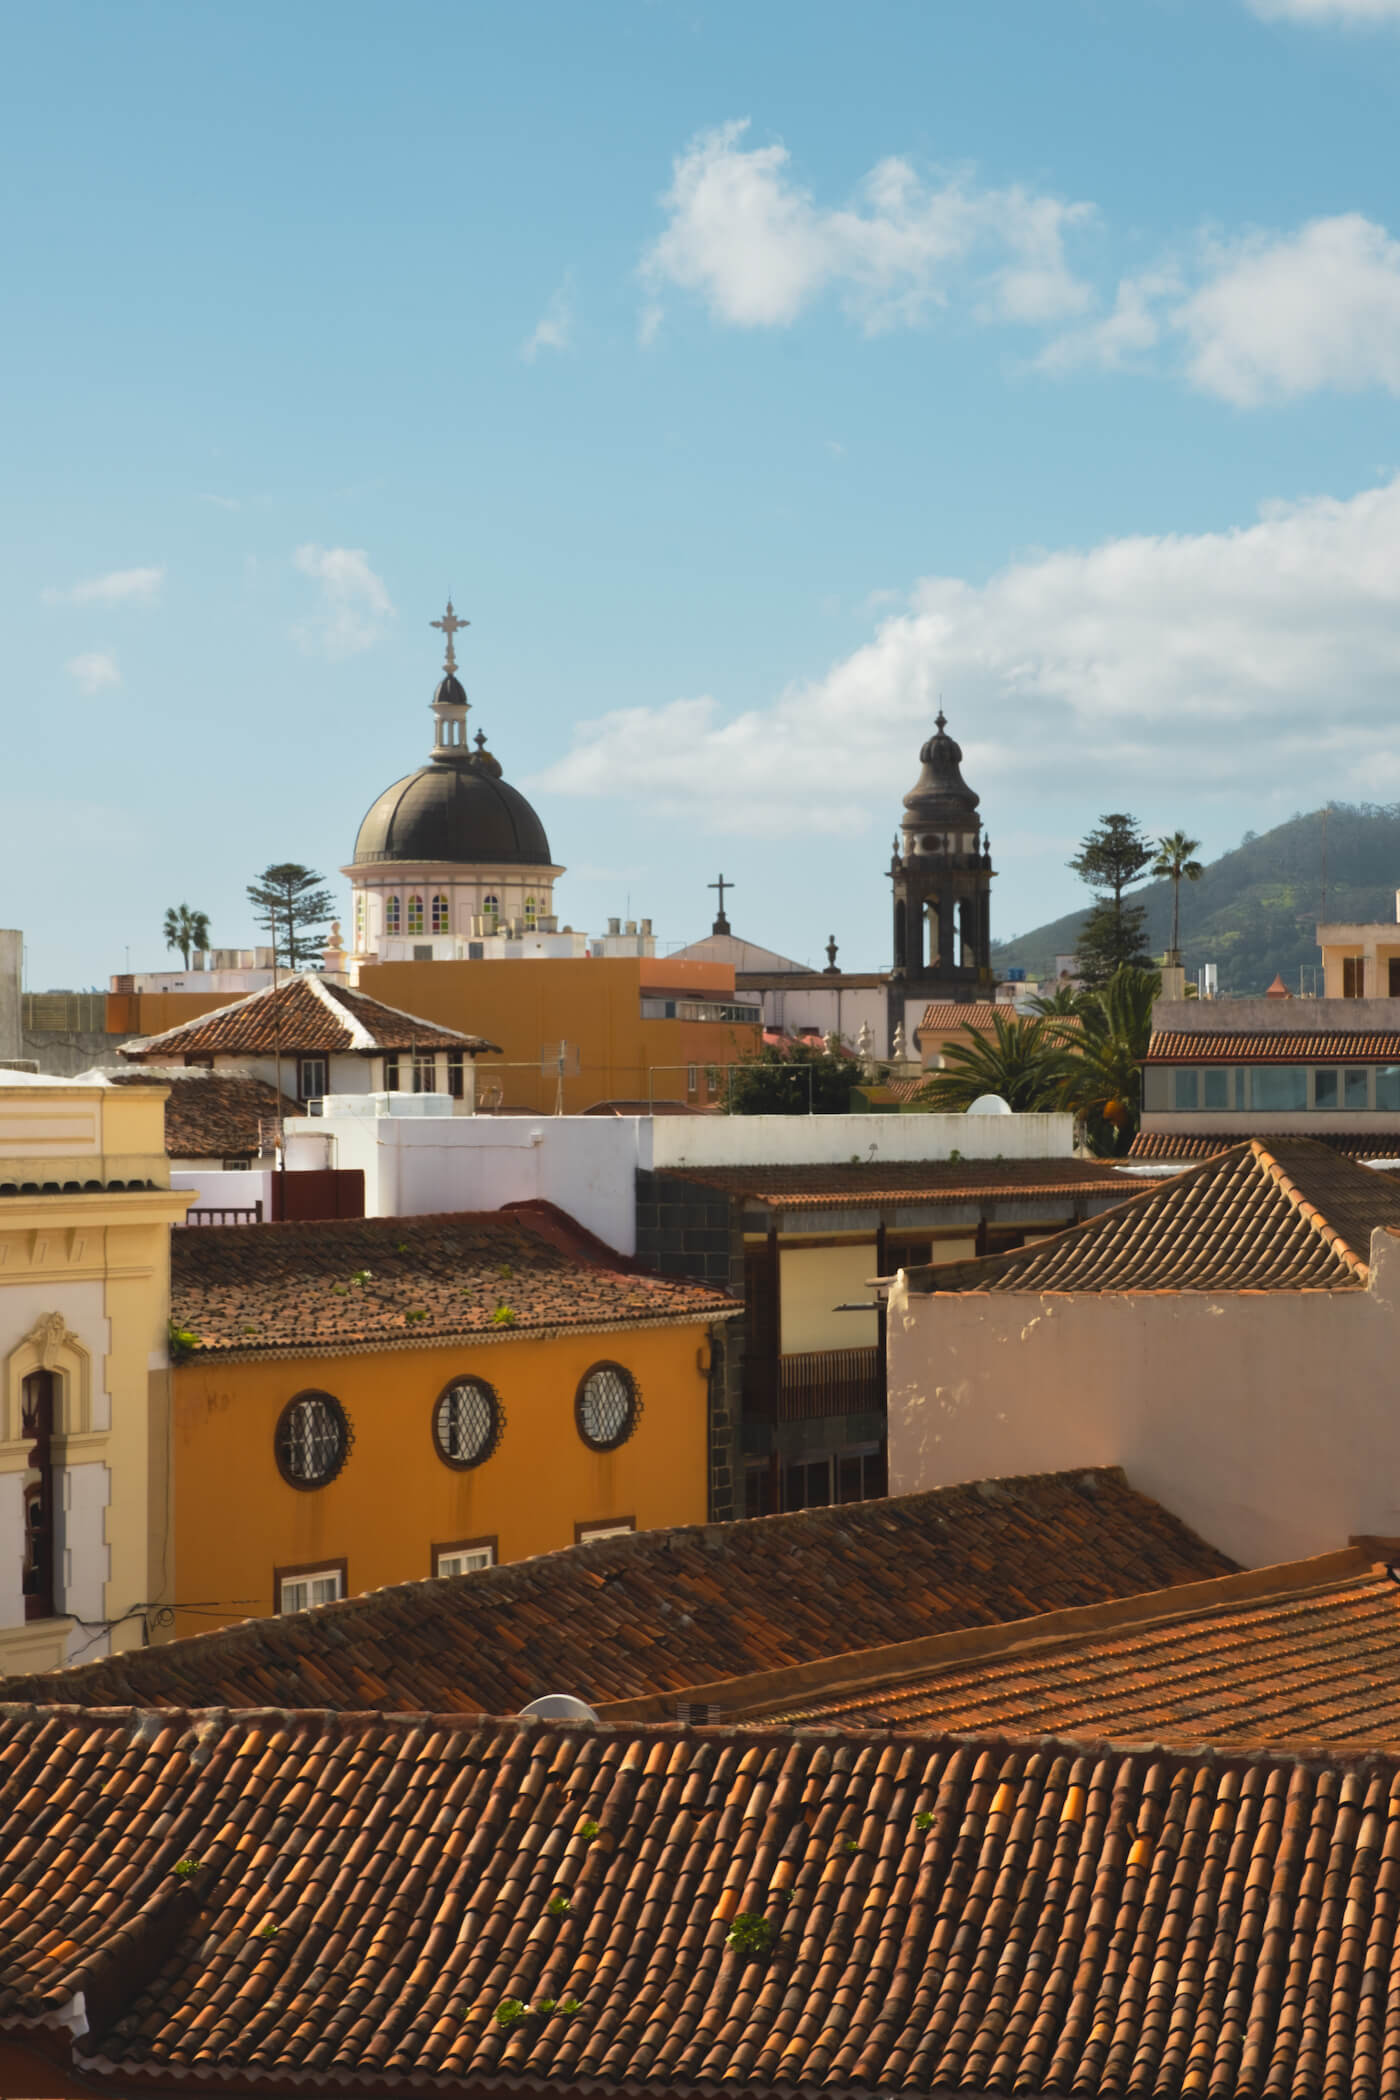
x,y
607,1406
467,1423
312,1440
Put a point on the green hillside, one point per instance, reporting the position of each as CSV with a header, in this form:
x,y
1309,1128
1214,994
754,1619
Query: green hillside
x,y
1254,912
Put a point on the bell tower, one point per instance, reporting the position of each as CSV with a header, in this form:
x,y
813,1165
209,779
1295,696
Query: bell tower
x,y
942,877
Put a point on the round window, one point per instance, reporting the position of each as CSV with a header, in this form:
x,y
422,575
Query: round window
x,y
312,1440
467,1422
606,1406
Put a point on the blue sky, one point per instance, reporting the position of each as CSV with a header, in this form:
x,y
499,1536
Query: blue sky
x,y
751,375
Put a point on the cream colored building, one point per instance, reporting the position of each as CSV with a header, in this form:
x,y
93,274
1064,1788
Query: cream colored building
x,y
86,1209
1361,962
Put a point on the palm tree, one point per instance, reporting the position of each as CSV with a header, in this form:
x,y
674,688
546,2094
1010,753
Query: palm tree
x,y
185,929
1102,1070
1174,860
1021,1060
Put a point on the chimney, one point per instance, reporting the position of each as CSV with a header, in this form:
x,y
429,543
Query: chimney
x,y
614,926
646,923
632,926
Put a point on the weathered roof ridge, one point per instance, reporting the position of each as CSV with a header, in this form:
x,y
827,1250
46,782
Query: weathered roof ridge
x,y
654,1611
1275,1214
764,1693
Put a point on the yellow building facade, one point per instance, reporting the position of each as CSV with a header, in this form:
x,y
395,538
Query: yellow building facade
x,y
330,1437
86,1545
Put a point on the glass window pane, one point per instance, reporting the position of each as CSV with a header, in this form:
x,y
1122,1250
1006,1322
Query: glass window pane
x,y
1325,1089
1215,1088
1388,1086
1185,1087
1278,1089
1355,1088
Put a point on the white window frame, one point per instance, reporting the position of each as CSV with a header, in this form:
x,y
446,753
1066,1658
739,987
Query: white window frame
x,y
303,1092
464,1560
328,1580
588,1533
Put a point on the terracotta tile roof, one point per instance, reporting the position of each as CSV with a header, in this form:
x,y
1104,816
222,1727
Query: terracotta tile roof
x,y
1169,1144
1313,1661
212,1115
354,1282
313,1017
978,1014
621,1618
1288,1215
274,1900
1208,1046
911,1181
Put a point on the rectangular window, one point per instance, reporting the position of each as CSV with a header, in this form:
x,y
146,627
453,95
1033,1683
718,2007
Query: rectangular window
x,y
1215,1087
1326,1089
1356,1090
1185,1087
391,1072
464,1557
1278,1089
415,914
603,1528
424,1072
1388,1087
456,1073
299,1589
392,915
692,1080
312,1078
1353,976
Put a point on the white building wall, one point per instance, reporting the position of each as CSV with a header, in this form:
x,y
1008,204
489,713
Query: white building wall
x,y
741,1141
84,1559
238,1188
11,1549
1264,1419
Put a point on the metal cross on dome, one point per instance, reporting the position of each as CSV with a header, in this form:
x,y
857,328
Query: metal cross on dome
x,y
449,625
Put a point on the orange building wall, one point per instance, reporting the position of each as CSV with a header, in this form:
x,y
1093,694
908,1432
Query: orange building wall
x,y
394,1499
151,1013
594,1003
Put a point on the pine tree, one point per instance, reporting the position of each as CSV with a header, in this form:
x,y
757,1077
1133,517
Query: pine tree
x,y
1113,857
293,904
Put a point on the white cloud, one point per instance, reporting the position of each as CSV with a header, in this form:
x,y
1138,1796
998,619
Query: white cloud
x,y
1118,340
758,249
354,604
1287,316
118,587
554,330
1261,659
94,670
1347,11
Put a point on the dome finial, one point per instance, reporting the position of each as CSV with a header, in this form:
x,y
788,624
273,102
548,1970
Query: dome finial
x,y
940,718
449,625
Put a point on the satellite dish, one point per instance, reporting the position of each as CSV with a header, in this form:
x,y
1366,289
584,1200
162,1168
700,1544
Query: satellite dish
x,y
989,1105
557,1706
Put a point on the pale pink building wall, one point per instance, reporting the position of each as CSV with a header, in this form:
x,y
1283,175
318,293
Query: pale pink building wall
x,y
1270,1421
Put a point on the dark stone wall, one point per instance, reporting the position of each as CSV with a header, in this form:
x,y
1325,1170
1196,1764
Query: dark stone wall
x,y
684,1229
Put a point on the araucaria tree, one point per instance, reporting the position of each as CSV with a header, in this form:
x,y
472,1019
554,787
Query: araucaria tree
x,y
293,904
186,930
1175,861
1113,857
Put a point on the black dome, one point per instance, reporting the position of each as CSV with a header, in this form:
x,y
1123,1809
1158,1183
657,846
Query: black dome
x,y
461,812
940,795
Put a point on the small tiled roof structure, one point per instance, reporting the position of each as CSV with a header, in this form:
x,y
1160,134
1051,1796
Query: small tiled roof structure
x,y
1288,1215
622,1618
303,1016
1293,1658
212,1115
841,1185
1211,1046
275,1901
355,1283
945,1015
1189,1145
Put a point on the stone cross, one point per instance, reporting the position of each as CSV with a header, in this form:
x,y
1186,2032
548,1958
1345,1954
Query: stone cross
x,y
449,625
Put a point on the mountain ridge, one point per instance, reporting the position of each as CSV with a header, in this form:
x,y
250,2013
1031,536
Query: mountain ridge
x,y
1255,911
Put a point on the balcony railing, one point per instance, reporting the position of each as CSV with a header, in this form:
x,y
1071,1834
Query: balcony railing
x,y
816,1385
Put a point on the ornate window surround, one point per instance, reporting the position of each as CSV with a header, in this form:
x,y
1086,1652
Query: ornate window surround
x,y
51,1345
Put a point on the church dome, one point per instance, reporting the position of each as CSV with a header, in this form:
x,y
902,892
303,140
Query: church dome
x,y
461,811
940,795
457,808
